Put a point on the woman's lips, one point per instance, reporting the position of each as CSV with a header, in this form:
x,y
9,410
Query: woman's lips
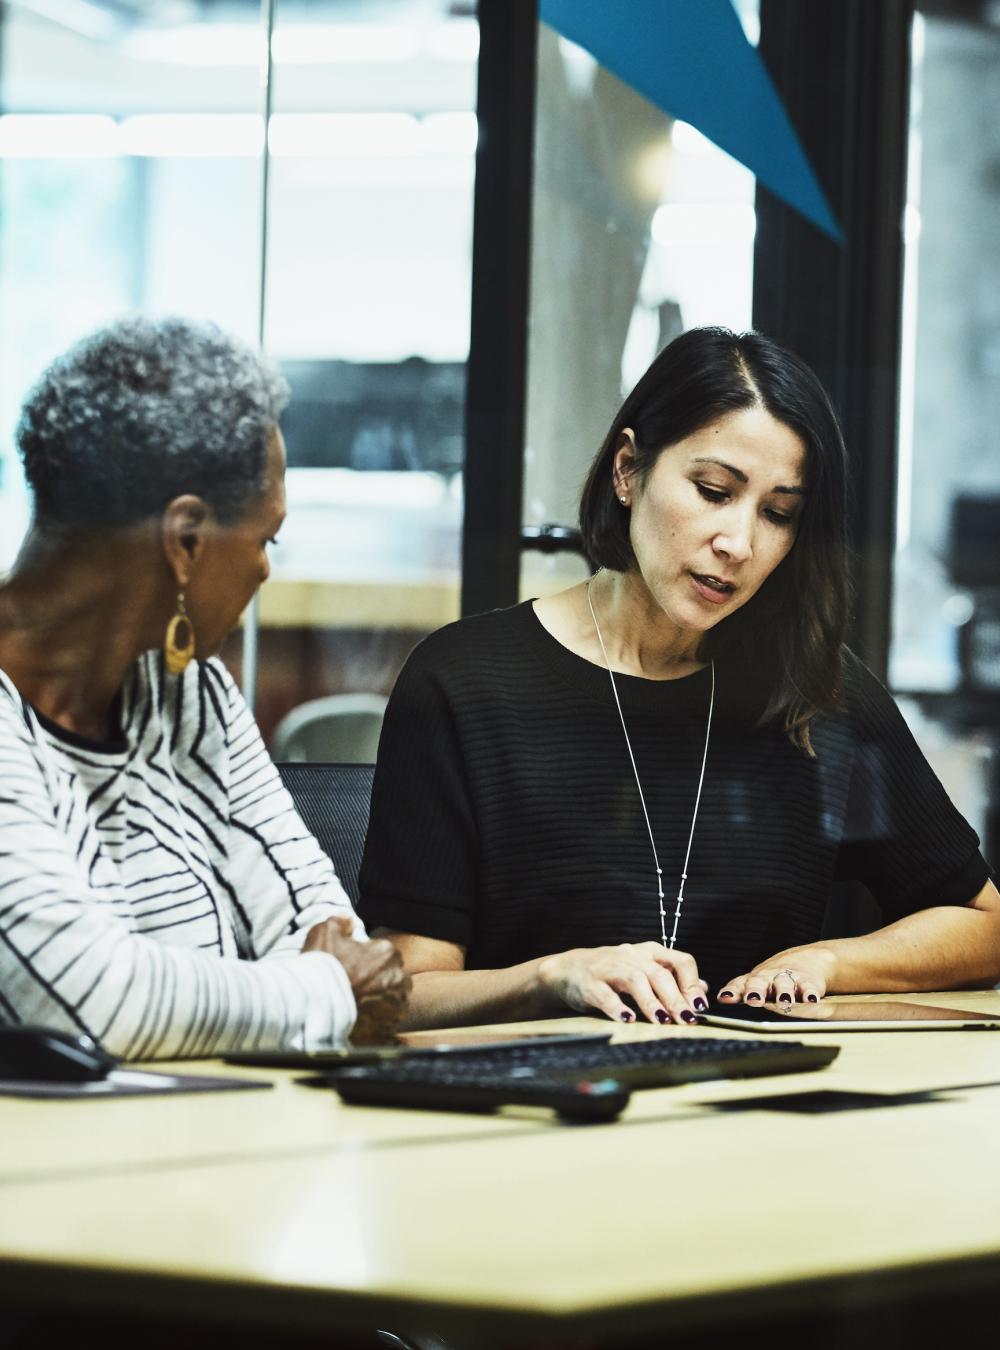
x,y
716,594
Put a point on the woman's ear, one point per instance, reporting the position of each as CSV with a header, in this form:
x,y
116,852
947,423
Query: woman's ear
x,y
624,465
184,530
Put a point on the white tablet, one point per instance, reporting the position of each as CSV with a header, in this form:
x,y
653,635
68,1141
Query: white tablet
x,y
834,1015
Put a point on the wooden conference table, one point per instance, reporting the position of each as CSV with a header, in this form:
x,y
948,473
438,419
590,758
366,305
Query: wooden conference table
x,y
702,1207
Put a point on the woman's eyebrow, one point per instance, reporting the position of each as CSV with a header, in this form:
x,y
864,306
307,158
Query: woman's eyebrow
x,y
742,478
721,463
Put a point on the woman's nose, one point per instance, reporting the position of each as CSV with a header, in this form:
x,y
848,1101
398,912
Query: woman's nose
x,y
736,541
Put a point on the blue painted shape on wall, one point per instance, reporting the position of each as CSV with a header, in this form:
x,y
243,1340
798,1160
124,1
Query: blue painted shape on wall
x,y
692,59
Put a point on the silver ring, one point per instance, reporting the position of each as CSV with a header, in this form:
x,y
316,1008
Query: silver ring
x,y
789,973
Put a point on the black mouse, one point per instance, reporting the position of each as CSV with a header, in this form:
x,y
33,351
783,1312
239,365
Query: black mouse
x,y
44,1055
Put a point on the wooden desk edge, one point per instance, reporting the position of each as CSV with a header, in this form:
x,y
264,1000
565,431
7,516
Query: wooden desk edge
x,y
304,1309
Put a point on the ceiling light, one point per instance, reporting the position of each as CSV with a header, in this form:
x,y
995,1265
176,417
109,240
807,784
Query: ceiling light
x,y
322,135
197,44
450,133
242,44
354,44
58,136
193,135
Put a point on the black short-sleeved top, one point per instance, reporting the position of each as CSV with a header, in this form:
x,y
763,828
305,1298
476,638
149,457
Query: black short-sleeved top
x,y
505,815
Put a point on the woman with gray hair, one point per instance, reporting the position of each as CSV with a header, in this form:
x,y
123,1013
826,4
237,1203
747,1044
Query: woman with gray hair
x,y
157,889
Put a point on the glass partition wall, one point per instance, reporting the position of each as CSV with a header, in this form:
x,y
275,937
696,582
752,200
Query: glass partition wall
x,y
132,165
373,138
641,228
130,172
945,653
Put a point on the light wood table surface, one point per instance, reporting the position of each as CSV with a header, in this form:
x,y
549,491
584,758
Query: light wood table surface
x,y
701,1203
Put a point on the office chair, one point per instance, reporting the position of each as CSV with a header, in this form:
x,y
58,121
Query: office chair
x,y
338,729
333,801
973,557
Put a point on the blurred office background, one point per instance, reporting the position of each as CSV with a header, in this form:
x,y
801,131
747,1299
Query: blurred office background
x,y
325,203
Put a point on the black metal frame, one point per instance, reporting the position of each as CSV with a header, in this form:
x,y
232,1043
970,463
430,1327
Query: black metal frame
x,y
842,68
498,340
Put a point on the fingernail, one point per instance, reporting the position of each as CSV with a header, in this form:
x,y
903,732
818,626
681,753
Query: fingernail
x,y
753,998
688,1016
726,993
701,1005
784,998
661,1016
626,1016
813,998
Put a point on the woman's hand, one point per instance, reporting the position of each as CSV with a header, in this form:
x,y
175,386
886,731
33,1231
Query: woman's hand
x,y
798,975
375,970
663,984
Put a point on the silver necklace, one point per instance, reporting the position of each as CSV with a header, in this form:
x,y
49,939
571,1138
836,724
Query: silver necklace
x,y
667,942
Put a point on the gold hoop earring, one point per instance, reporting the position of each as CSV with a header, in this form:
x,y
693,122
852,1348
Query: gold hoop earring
x,y
178,642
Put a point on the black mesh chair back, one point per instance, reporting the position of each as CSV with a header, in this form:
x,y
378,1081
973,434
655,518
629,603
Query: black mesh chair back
x,y
333,801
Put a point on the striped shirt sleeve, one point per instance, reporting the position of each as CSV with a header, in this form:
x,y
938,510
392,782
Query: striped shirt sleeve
x,y
70,958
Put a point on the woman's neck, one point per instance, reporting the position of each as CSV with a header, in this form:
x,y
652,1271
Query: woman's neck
x,y
74,615
639,638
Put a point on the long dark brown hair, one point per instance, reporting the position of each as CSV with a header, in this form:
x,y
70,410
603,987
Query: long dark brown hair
x,y
791,633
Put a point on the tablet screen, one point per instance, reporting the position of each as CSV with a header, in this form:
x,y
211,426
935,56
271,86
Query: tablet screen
x,y
834,1014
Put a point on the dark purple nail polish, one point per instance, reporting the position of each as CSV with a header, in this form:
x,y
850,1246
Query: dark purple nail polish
x,y
784,998
688,1016
753,998
661,1016
626,1016
726,993
701,1005
813,998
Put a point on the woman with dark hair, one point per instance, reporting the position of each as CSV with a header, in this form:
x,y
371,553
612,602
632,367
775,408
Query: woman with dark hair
x,y
617,797
157,889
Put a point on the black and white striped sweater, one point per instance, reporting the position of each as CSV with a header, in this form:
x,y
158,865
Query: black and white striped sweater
x,y
155,891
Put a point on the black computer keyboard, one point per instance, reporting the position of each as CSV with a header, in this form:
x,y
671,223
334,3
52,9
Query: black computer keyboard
x,y
497,1075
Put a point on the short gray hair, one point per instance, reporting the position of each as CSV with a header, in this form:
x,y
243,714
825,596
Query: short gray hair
x,y
144,411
